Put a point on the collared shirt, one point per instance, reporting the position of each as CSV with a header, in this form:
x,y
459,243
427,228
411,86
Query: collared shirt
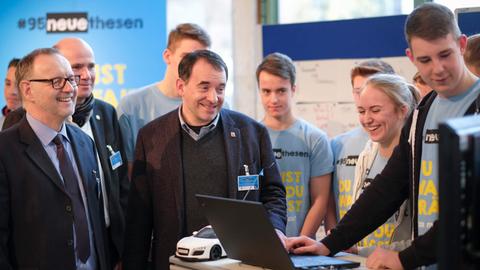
x,y
46,134
203,131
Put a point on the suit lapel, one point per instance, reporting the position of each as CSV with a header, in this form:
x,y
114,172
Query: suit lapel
x,y
232,138
98,130
37,153
175,167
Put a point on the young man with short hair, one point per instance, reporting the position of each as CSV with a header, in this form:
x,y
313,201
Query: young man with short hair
x,y
302,150
436,48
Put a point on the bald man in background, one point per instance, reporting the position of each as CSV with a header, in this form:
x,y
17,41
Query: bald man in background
x,y
98,119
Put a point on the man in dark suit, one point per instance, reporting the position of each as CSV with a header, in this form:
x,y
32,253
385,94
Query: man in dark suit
x,y
99,120
50,216
197,148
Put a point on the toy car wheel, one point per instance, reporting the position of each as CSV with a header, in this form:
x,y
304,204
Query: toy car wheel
x,y
215,252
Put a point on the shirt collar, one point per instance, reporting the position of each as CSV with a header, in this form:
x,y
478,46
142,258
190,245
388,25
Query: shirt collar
x,y
44,132
203,131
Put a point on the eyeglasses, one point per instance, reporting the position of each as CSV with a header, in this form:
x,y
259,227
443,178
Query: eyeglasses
x,y
59,82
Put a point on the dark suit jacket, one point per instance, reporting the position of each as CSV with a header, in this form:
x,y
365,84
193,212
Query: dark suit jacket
x,y
106,131
156,196
35,222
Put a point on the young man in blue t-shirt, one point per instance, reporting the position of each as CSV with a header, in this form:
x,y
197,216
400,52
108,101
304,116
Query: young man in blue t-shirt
x,y
302,151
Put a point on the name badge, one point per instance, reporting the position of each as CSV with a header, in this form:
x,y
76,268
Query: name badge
x,y
115,158
247,182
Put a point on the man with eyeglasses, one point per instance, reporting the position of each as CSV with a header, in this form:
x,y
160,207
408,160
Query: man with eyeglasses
x,y
59,82
97,119
50,214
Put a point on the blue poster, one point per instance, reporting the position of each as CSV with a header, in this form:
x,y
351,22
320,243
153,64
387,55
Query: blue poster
x,y
128,37
342,39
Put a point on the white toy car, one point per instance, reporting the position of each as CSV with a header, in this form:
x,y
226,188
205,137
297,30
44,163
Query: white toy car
x,y
202,245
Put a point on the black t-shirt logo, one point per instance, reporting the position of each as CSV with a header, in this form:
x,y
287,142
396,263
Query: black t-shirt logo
x,y
348,161
432,136
277,152
367,183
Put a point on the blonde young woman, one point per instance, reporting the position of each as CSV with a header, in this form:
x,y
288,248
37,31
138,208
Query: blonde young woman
x,y
385,103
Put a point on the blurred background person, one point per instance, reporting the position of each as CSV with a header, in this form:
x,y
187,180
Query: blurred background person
x,y
12,98
421,85
472,54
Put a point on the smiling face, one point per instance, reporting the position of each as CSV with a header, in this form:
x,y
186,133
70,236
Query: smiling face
x,y
10,90
379,116
82,60
440,63
202,94
276,94
46,104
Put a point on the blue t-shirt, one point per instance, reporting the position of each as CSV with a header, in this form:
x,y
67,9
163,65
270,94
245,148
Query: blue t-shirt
x,y
302,151
440,110
346,147
382,235
140,107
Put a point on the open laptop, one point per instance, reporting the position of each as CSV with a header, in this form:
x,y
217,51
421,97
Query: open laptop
x,y
246,233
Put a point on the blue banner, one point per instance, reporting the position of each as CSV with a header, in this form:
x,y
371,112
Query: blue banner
x,y
349,39
128,37
344,39
468,21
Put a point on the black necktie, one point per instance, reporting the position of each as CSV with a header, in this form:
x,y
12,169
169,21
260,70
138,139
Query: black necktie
x,y
71,187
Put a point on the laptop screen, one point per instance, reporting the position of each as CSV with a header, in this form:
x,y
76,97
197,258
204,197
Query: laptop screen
x,y
246,233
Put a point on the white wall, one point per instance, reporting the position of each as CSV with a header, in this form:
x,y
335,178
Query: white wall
x,y
247,54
